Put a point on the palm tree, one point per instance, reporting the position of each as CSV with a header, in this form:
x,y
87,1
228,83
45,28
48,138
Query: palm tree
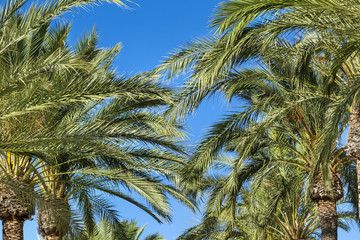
x,y
101,144
110,139
246,29
259,167
42,77
147,153
275,209
278,99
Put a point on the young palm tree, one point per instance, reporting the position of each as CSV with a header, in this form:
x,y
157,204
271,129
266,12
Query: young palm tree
x,y
275,209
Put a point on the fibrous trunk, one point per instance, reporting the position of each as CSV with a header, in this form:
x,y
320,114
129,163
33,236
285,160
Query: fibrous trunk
x,y
13,212
52,238
50,228
353,142
13,228
328,219
326,200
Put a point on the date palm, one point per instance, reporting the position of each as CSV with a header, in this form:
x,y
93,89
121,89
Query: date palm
x,y
273,208
102,143
41,78
146,156
279,99
247,28
110,140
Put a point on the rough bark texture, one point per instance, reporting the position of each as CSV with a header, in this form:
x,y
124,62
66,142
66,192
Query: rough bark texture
x,y
328,219
319,190
48,228
353,142
11,205
13,228
51,228
13,213
326,200
52,238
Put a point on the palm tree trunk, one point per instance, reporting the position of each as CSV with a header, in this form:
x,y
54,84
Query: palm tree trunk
x,y
328,219
326,200
52,238
49,227
13,228
353,143
13,213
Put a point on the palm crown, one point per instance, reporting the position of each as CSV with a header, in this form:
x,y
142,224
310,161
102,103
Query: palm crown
x,y
72,127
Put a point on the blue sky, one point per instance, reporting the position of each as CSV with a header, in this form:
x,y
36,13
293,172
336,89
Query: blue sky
x,y
148,32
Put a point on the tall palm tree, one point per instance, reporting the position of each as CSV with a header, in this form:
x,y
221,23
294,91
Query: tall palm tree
x,y
246,29
278,99
102,143
41,78
112,137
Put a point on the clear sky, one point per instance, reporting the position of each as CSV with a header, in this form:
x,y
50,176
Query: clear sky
x,y
148,32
